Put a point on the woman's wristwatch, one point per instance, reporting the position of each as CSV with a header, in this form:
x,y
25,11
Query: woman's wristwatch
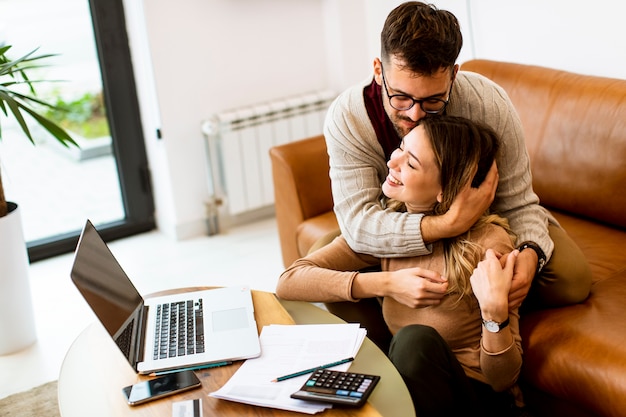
x,y
540,255
494,326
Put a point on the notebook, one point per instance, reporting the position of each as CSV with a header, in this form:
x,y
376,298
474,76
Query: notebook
x,y
217,324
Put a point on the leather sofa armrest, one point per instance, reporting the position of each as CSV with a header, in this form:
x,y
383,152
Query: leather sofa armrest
x,y
302,189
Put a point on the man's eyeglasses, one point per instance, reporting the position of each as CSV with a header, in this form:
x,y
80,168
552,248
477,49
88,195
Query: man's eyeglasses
x,y
403,102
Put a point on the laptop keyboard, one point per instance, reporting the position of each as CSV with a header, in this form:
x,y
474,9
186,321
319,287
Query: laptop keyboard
x,y
179,329
124,339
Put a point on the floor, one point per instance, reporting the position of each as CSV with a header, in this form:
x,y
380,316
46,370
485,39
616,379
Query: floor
x,y
245,254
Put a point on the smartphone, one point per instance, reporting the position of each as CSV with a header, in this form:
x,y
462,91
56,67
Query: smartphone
x,y
160,387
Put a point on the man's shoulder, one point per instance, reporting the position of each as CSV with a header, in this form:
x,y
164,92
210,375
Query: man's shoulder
x,y
347,117
353,93
468,80
477,97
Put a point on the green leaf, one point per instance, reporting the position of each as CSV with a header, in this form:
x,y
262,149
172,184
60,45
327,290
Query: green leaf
x,y
15,109
16,102
21,65
3,107
55,130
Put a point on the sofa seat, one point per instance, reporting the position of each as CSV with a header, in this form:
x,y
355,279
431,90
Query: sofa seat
x,y
578,352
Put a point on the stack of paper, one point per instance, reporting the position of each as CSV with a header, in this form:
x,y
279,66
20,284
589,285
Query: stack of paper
x,y
288,349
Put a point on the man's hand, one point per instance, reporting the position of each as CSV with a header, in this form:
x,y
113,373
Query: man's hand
x,y
466,209
417,287
524,272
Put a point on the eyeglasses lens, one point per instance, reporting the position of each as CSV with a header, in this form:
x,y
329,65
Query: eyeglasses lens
x,y
428,106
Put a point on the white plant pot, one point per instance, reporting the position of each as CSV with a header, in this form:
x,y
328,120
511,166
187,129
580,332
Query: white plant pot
x,y
17,322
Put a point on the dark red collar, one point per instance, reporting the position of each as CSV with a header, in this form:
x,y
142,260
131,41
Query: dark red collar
x,y
385,133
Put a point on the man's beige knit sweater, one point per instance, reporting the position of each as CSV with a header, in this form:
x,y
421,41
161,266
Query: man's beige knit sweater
x,y
358,168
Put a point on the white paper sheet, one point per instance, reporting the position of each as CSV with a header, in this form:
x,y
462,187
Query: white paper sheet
x,y
287,349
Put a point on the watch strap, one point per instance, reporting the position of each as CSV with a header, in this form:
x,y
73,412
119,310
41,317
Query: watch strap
x,y
541,256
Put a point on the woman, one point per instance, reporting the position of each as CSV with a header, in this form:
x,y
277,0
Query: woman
x,y
438,306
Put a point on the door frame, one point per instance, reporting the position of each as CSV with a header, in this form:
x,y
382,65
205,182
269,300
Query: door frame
x,y
120,95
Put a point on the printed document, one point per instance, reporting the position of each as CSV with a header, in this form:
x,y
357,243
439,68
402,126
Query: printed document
x,y
287,349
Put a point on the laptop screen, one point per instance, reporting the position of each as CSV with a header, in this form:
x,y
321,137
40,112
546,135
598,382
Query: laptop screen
x,y
102,282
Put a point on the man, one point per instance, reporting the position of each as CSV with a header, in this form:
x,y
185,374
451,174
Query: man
x,y
417,76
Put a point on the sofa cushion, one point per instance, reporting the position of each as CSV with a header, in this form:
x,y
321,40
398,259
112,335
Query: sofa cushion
x,y
578,353
603,246
313,229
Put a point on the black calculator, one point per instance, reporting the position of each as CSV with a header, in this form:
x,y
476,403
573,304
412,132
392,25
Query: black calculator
x,y
337,387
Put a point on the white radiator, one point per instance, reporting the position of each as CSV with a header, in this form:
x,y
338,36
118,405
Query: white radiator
x,y
238,144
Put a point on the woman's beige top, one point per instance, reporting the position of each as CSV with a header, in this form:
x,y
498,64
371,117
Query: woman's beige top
x,y
320,277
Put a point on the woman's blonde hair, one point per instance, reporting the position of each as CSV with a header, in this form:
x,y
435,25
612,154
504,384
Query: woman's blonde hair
x,y
464,152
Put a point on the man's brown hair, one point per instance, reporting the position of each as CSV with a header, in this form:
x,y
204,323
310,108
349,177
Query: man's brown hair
x,y
425,38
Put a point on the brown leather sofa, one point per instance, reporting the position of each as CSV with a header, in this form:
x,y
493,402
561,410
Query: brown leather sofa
x,y
575,126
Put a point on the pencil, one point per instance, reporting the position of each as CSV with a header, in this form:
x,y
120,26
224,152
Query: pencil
x,y
193,368
308,371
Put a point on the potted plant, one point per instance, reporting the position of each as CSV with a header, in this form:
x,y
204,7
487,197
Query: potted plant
x,y
18,99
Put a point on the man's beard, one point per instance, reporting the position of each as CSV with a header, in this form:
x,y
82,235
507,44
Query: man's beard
x,y
400,130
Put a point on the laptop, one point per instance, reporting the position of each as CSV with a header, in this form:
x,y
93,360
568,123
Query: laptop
x,y
218,325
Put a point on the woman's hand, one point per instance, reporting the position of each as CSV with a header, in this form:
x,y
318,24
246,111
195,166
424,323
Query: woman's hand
x,y
416,287
491,284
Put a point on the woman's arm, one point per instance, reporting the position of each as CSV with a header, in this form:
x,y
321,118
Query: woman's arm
x,y
413,287
502,368
325,275
329,275
501,353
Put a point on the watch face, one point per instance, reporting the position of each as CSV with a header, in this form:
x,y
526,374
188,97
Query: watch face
x,y
542,263
492,326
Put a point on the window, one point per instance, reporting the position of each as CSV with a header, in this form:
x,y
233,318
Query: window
x,y
57,193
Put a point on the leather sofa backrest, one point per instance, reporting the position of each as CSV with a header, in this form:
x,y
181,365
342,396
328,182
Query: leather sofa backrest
x,y
575,128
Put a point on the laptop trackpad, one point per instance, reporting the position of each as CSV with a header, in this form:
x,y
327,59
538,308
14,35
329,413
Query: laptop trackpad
x,y
232,319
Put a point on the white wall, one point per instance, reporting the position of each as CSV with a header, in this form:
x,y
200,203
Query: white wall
x,y
573,35
194,58
208,56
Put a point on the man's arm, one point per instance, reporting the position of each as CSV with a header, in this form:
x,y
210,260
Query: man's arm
x,y
357,170
469,205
